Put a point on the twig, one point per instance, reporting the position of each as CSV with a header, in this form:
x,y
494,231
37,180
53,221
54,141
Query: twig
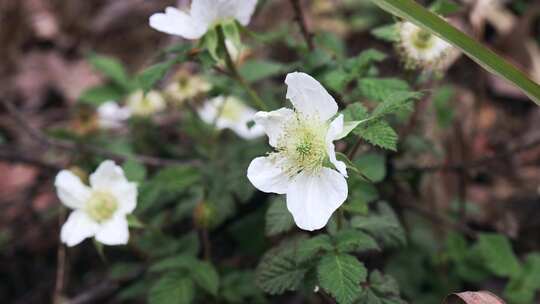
x,y
93,294
16,156
481,162
301,20
61,263
233,71
76,147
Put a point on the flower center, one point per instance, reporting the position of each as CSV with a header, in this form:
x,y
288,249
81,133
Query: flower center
x,y
101,206
303,144
423,39
231,109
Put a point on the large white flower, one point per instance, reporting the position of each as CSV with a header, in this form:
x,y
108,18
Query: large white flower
x,y
99,210
202,16
230,113
111,115
301,166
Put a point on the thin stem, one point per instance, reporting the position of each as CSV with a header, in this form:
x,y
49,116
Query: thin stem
x,y
257,101
301,20
60,263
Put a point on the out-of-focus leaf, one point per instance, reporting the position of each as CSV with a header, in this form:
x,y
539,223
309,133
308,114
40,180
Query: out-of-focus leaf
x,y
278,218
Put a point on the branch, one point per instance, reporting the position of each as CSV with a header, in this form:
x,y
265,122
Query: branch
x,y
481,162
301,20
73,147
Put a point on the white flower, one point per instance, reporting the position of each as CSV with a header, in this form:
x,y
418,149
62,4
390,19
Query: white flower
x,y
422,49
303,140
111,115
187,86
99,210
230,113
202,16
145,104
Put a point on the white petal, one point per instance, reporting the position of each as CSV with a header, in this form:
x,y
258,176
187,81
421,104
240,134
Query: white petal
x,y
266,175
335,129
78,227
206,11
273,123
126,195
176,22
71,191
309,97
114,232
107,176
243,10
312,198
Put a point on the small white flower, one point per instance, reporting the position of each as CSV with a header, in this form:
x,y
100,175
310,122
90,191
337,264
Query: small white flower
x,y
230,113
187,86
99,210
420,48
202,16
141,104
303,140
111,115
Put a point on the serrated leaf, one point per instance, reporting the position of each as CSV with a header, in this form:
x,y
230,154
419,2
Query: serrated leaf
x,y
360,65
309,248
355,112
173,288
497,254
396,102
381,289
111,68
278,218
378,89
383,225
341,275
206,276
279,270
351,240
379,133
386,32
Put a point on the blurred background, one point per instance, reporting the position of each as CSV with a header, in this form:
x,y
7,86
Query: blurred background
x,y
470,150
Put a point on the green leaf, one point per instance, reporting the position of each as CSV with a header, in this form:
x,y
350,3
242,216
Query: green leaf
x,y
378,89
360,65
386,32
383,225
210,41
111,68
336,79
148,78
206,276
444,110
355,112
231,32
134,170
180,262
101,94
381,289
331,42
279,270
173,288
348,127
176,178
444,7
351,240
523,288
414,12
372,165
309,248
497,254
395,103
278,218
255,70
341,275
379,133
134,222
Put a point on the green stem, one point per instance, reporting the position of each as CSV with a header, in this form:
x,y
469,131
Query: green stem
x,y
257,101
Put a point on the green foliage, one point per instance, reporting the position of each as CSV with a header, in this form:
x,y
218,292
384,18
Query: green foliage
x,y
278,218
444,7
383,225
173,288
134,170
279,270
381,289
372,165
497,255
379,133
387,32
354,241
101,94
111,68
255,70
148,78
341,275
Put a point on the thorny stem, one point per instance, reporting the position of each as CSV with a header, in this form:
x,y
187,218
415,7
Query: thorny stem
x,y
257,101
